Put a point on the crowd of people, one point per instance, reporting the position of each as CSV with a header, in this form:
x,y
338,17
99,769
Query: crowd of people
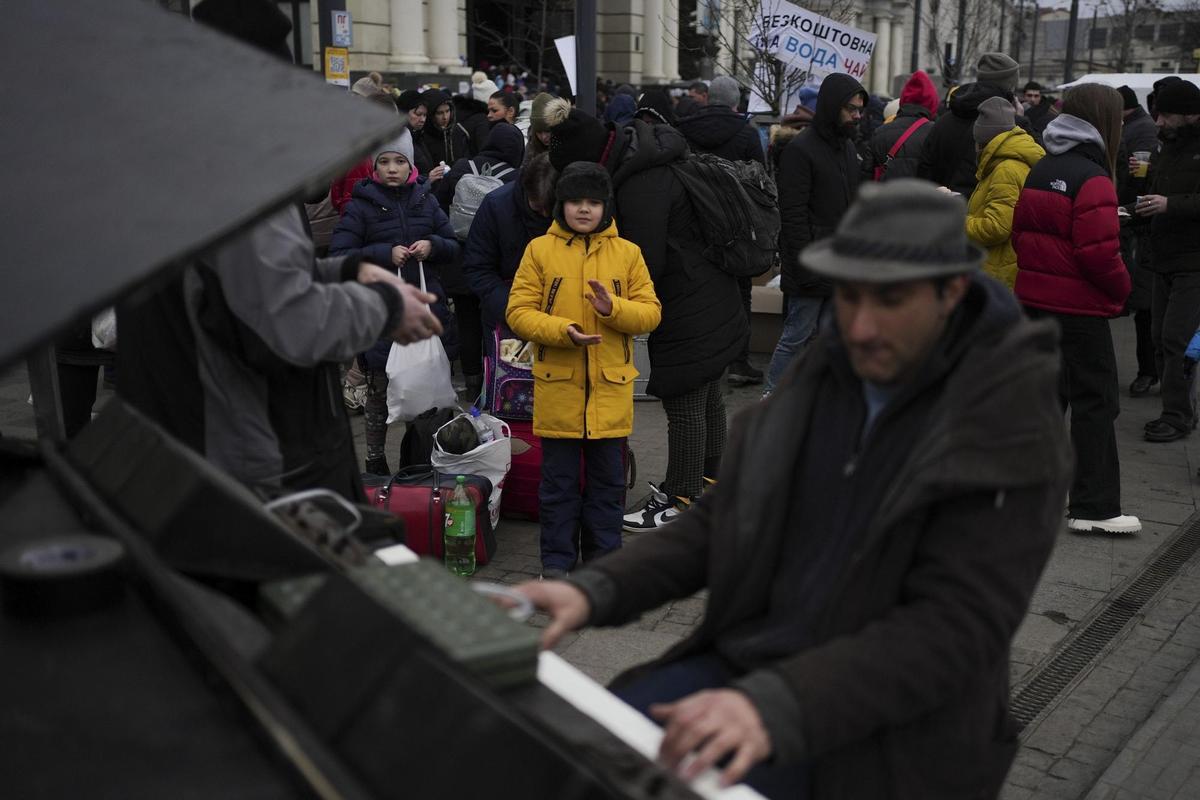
x,y
871,533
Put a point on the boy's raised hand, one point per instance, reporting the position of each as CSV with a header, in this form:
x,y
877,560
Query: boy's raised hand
x,y
580,338
600,299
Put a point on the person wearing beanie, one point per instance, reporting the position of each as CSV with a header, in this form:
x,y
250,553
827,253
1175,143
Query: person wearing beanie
x,y
621,109
394,219
889,157
655,107
1070,271
719,129
342,188
1006,155
890,110
538,140
1171,206
266,420
1139,134
408,99
998,69
948,156
484,89
581,294
704,328
873,542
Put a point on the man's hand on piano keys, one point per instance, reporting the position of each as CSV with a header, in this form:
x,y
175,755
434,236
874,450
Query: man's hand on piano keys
x,y
712,724
567,606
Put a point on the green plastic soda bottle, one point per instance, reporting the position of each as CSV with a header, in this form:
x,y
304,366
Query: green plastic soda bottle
x,y
459,537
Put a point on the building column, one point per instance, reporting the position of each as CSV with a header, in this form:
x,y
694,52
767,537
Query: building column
x,y
408,35
670,50
881,59
652,41
443,34
725,54
899,52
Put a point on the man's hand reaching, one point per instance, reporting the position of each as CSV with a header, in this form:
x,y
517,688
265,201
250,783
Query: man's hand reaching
x,y
567,606
712,724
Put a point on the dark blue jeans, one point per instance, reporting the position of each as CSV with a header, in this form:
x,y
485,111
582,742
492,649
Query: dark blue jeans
x,y
674,681
591,517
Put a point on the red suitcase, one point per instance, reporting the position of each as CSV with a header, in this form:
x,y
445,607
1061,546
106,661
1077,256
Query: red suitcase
x,y
520,498
411,494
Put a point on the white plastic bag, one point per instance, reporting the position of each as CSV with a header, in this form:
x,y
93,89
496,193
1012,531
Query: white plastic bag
x,y
491,459
104,329
418,377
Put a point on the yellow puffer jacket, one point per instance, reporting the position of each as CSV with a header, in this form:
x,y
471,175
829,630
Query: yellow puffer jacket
x,y
582,392
1004,165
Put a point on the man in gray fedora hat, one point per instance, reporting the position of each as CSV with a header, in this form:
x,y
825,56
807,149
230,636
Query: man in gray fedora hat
x,y
874,539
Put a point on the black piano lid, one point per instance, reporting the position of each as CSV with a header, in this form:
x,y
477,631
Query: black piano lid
x,y
134,138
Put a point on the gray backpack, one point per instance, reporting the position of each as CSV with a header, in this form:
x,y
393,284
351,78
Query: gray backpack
x,y
469,193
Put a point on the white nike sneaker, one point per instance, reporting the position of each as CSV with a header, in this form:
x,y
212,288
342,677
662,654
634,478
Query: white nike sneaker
x,y
658,510
1122,524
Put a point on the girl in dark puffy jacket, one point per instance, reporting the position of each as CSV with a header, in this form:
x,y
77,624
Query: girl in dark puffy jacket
x,y
392,218
1069,269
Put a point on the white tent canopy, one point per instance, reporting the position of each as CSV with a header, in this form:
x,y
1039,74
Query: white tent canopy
x,y
1142,83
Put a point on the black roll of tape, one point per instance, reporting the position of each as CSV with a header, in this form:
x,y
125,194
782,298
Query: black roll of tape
x,y
60,575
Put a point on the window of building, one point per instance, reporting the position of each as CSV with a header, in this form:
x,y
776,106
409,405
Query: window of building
x,y
1169,34
299,13
1098,38
1144,32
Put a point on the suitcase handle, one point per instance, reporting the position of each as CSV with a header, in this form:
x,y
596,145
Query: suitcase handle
x,y
419,474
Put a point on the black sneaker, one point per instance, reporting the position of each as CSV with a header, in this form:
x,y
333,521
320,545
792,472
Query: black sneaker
x,y
1142,385
741,373
553,574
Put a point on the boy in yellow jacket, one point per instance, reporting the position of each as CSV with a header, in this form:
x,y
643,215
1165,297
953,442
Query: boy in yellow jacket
x,y
581,294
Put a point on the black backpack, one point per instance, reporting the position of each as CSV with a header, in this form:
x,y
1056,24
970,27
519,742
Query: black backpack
x,y
739,206
416,448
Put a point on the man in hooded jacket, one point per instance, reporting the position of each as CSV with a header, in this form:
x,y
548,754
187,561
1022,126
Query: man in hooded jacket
x,y
703,327
818,175
863,591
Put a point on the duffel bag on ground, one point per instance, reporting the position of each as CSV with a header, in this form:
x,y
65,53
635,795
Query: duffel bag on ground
x,y
419,495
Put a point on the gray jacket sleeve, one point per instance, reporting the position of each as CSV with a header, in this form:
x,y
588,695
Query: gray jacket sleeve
x,y
273,285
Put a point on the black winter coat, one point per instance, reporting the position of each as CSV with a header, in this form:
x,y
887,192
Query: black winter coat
x,y
449,144
1137,133
948,156
1039,116
908,157
721,131
503,226
472,115
1175,234
379,218
903,693
703,326
818,177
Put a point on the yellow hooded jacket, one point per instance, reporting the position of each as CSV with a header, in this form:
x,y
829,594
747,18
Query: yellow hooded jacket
x,y
1004,165
582,392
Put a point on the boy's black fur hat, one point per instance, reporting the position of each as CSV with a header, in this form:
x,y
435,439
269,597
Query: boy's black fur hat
x,y
584,179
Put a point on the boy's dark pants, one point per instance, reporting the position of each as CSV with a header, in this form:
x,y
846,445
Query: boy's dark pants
x,y
569,514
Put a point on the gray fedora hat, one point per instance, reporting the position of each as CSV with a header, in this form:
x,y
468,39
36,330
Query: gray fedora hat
x,y
902,230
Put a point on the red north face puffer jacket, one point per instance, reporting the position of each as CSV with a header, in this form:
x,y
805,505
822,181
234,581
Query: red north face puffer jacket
x,y
1065,233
